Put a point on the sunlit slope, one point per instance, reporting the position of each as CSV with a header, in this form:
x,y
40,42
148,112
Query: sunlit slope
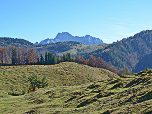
x,y
15,78
128,94
71,47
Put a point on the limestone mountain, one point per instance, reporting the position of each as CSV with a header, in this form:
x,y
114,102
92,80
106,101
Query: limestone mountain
x,y
65,36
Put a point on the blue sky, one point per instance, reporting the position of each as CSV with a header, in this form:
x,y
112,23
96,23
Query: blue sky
x,y
109,20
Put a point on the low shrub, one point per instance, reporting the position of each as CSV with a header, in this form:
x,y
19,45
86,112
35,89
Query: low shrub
x,y
36,83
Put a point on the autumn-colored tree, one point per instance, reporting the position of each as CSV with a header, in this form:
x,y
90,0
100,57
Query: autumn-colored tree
x,y
2,52
81,60
113,69
37,62
106,65
17,55
92,60
85,62
30,56
99,62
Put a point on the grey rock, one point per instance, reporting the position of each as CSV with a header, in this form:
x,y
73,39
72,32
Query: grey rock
x,y
65,36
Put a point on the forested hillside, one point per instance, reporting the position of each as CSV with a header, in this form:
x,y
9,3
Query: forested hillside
x,y
5,41
127,52
57,49
71,47
146,61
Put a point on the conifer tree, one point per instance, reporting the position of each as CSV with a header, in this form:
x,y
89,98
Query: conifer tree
x,y
46,58
50,58
54,61
41,60
64,57
14,55
68,57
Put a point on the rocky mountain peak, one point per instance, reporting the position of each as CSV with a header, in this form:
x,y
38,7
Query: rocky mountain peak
x,y
65,36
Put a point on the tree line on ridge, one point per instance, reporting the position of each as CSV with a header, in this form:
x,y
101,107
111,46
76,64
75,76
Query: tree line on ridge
x,y
12,55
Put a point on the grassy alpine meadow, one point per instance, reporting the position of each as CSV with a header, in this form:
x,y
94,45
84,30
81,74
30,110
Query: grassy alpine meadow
x,y
14,79
102,92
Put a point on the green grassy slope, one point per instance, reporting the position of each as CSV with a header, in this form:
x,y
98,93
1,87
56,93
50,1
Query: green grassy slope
x,y
15,78
128,94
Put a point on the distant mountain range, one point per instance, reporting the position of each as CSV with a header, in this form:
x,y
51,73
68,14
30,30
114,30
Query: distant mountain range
x,y
65,36
134,52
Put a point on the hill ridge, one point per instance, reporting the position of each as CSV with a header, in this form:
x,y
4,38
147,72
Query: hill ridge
x,y
7,41
128,51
